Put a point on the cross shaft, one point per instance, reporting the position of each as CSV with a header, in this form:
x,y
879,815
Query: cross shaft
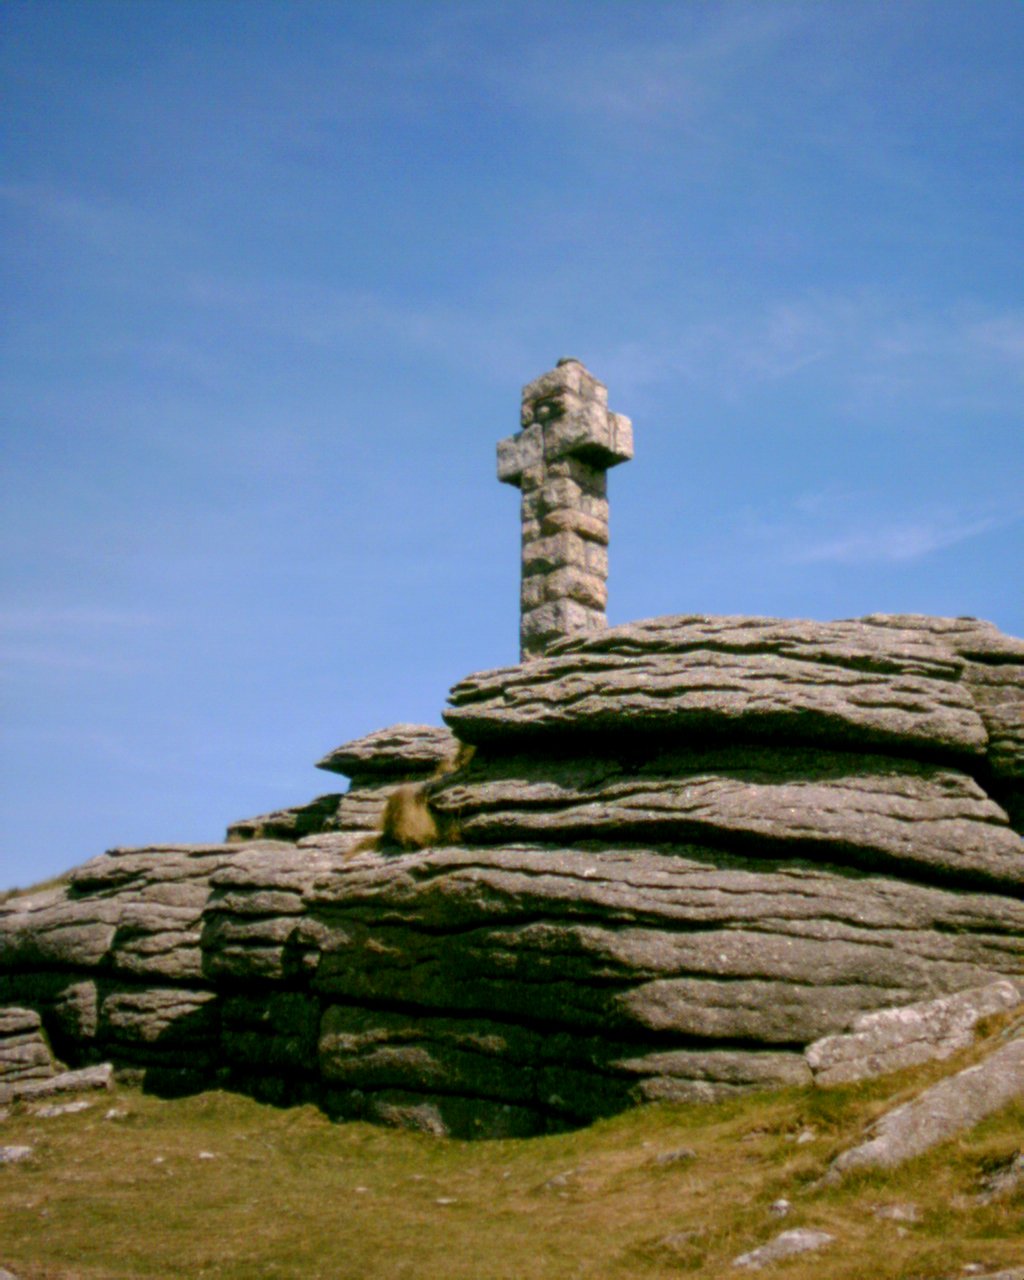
x,y
559,460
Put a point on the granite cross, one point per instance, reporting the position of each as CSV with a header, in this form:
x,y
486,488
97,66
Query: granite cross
x,y
569,439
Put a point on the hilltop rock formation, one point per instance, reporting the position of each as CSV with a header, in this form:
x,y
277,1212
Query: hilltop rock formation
x,y
682,851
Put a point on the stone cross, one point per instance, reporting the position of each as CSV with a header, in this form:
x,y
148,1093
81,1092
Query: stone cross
x,y
569,439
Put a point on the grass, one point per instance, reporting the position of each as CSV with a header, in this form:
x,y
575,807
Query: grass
x,y
7,894
288,1194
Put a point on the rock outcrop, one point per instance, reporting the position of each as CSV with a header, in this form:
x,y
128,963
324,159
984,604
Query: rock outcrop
x,y
957,1103
681,852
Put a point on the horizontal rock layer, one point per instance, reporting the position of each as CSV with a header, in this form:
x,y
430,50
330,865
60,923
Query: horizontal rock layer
x,y
864,810
24,1052
848,685
398,751
482,990
892,1039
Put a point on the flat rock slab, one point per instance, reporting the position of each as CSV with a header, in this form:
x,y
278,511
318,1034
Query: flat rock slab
x,y
947,1108
858,684
19,1022
99,1077
786,1245
287,824
400,750
892,1039
921,819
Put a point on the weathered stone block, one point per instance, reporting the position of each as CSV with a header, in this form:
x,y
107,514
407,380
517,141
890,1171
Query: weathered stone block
x,y
542,555
553,617
567,520
397,751
591,433
532,592
595,559
591,480
568,377
519,454
574,584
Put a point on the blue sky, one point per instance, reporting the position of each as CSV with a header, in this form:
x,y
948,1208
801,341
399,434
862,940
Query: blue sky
x,y
274,273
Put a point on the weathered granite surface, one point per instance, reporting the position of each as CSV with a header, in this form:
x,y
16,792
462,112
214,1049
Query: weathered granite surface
x,y
683,852
947,1108
865,810
559,459
859,684
400,751
892,1039
24,1052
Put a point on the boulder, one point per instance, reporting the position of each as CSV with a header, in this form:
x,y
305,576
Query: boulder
x,y
785,1245
680,853
678,972
400,751
98,1077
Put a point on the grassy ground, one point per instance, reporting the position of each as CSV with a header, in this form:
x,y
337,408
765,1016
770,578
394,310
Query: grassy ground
x,y
287,1194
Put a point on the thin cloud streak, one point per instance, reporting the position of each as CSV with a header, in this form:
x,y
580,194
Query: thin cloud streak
x,y
873,349
897,543
834,528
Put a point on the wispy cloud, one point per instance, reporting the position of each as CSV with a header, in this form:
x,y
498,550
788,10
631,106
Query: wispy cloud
x,y
44,621
874,353
686,78
901,541
325,317
831,527
64,640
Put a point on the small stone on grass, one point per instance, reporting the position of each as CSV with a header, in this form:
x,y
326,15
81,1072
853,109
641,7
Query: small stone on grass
x,y
897,1212
11,1155
682,1156
62,1109
786,1245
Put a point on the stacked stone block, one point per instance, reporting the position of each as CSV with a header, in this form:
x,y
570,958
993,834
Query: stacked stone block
x,y
559,461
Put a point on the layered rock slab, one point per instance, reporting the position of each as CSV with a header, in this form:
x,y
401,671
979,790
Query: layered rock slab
x,y
947,1108
686,849
863,684
876,811
24,1051
484,990
686,940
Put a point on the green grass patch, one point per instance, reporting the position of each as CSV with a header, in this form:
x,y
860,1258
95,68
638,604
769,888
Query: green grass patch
x,y
289,1195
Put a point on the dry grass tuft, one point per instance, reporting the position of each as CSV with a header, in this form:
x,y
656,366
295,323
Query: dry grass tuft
x,y
54,883
408,820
